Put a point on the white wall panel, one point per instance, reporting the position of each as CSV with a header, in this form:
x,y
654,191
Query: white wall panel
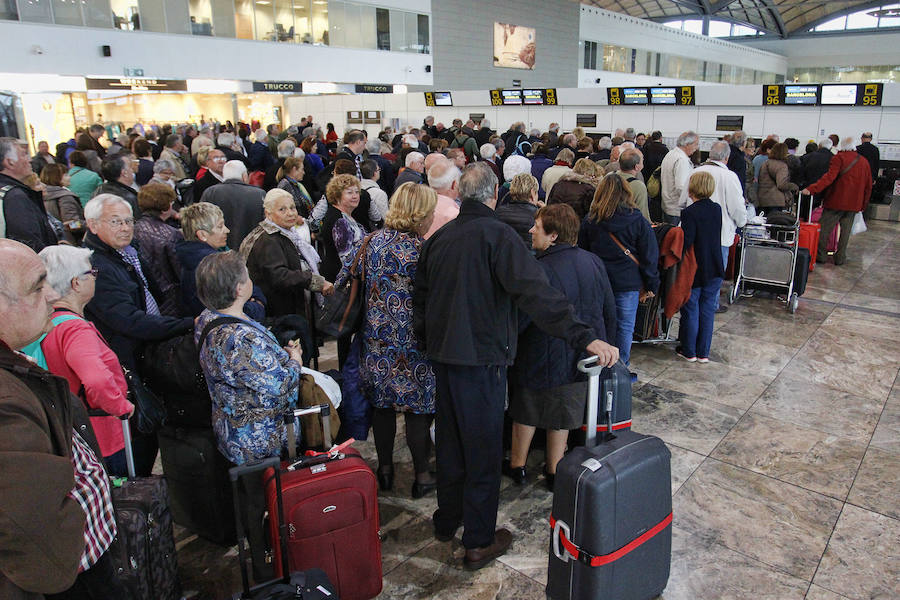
x,y
753,118
673,120
801,122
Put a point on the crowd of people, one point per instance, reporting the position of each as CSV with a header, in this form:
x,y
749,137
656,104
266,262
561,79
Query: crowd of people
x,y
491,263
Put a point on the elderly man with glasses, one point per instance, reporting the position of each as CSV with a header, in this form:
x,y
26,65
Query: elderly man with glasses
x,y
125,307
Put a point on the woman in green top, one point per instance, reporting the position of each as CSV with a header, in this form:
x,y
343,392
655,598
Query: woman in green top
x,y
82,181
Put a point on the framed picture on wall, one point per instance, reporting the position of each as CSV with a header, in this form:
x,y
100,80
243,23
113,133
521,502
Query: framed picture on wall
x,y
514,46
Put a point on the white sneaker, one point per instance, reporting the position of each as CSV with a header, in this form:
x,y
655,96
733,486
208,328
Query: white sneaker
x,y
702,360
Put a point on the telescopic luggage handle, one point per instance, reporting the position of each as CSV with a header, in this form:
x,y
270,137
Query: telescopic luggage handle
x,y
126,433
593,369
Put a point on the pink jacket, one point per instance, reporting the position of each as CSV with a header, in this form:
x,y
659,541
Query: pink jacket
x,y
75,350
445,211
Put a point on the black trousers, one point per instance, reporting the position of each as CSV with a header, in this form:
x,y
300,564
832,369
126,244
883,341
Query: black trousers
x,y
469,449
97,583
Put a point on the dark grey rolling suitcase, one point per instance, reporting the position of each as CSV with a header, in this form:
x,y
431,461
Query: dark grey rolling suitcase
x,y
612,510
199,488
144,550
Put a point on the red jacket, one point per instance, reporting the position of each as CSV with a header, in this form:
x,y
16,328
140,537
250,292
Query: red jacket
x,y
849,191
75,350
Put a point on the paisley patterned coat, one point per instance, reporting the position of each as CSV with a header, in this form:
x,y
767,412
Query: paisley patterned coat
x,y
395,373
252,382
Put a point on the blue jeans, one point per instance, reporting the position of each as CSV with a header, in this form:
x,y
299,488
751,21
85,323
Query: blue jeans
x,y
626,312
672,219
725,250
697,318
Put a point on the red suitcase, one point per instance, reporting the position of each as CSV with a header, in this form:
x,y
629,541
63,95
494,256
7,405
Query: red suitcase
x,y
809,235
331,510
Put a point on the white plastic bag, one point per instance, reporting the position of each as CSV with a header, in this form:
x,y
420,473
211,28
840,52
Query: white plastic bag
x,y
328,385
751,211
859,224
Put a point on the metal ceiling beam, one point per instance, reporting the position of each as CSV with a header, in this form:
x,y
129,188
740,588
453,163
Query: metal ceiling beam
x,y
840,13
773,9
717,6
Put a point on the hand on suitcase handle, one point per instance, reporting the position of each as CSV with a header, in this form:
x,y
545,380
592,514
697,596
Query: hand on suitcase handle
x,y
587,365
604,353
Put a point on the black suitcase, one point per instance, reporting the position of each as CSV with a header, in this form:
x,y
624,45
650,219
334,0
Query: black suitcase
x,y
311,584
621,408
612,510
645,319
801,270
199,489
145,545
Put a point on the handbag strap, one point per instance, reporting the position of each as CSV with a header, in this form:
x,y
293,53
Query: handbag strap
x,y
212,325
848,167
627,252
355,268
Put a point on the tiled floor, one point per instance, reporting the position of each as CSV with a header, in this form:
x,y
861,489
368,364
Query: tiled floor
x,y
785,460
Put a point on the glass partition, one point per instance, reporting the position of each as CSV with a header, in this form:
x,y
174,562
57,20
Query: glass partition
x,y
320,21
284,31
125,15
201,17
35,11
243,19
67,13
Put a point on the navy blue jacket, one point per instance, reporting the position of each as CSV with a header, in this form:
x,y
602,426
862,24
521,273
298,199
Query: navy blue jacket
x,y
634,232
539,164
737,164
259,157
702,224
119,307
543,361
189,254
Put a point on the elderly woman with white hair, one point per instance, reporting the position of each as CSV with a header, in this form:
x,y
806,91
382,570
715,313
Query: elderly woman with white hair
x,y
75,350
280,261
512,166
488,154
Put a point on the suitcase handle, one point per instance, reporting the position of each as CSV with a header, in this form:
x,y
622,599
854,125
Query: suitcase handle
x,y
593,369
126,434
320,409
237,472
561,553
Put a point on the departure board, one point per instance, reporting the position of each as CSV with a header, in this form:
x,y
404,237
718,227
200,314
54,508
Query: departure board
x,y
662,95
438,99
791,94
852,94
539,96
506,97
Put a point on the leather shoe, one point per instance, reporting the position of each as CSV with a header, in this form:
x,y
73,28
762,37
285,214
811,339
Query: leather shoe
x,y
386,477
420,489
445,537
722,309
477,558
549,479
518,474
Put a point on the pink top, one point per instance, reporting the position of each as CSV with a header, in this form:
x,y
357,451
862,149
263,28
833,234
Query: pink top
x,y
75,350
445,211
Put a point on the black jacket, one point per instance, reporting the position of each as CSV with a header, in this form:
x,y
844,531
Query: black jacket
x,y
234,155
157,240
25,215
634,232
737,163
473,276
654,153
121,190
189,254
870,152
201,185
388,175
543,361
815,165
241,204
702,224
519,216
119,306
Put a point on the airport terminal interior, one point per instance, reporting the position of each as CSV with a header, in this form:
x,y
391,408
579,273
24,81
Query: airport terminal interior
x,y
785,443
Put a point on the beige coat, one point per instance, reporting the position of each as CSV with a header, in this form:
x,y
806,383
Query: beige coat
x,y
775,187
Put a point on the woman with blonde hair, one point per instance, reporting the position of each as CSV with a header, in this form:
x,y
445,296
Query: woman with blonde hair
x,y
521,204
290,178
617,232
395,374
577,188
702,224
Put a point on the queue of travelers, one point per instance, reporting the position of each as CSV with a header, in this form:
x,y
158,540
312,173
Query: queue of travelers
x,y
492,263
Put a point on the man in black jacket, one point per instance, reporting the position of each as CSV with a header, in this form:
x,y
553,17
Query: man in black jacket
x,y
870,152
22,213
736,161
654,153
473,274
118,171
240,202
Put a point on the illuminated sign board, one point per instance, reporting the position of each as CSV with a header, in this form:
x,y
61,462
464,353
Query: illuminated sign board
x,y
539,96
137,84
790,94
278,86
852,94
438,99
506,97
619,96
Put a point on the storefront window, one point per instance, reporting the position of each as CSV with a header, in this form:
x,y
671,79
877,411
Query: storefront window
x,y
201,17
302,22
285,30
383,28
125,14
616,58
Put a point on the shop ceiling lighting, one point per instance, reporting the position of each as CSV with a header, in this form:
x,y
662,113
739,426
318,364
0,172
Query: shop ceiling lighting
x,y
213,86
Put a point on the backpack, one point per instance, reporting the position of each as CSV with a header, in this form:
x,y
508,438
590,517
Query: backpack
x,y
523,148
654,184
3,191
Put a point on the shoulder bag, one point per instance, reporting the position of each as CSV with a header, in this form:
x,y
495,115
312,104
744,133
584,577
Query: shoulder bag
x,y
342,313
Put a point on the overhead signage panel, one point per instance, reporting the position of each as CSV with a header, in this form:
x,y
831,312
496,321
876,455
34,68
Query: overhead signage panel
x,y
136,84
290,87
370,88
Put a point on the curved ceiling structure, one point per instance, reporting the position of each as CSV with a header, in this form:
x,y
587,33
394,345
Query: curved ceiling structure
x,y
777,17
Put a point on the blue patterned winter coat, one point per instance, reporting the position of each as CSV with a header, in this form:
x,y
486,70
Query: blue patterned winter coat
x,y
252,382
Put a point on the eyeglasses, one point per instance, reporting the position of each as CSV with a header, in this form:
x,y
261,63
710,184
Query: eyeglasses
x,y
128,222
93,271
219,159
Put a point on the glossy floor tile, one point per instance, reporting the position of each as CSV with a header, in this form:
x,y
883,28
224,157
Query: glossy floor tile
x,y
785,460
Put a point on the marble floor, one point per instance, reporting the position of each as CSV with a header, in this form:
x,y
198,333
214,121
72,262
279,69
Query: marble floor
x,y
785,460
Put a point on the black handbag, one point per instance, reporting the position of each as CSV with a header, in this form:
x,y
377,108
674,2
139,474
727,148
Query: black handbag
x,y
149,410
343,310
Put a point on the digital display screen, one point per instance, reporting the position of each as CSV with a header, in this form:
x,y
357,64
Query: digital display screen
x,y
511,97
662,95
801,94
839,94
533,96
634,96
443,99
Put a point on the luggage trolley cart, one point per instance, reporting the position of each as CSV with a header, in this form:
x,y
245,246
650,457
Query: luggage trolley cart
x,y
768,259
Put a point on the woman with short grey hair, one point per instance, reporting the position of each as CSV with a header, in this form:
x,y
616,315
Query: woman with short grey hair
x,y
75,350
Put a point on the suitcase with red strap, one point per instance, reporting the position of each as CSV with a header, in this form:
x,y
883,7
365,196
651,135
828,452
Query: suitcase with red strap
x,y
612,511
331,512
